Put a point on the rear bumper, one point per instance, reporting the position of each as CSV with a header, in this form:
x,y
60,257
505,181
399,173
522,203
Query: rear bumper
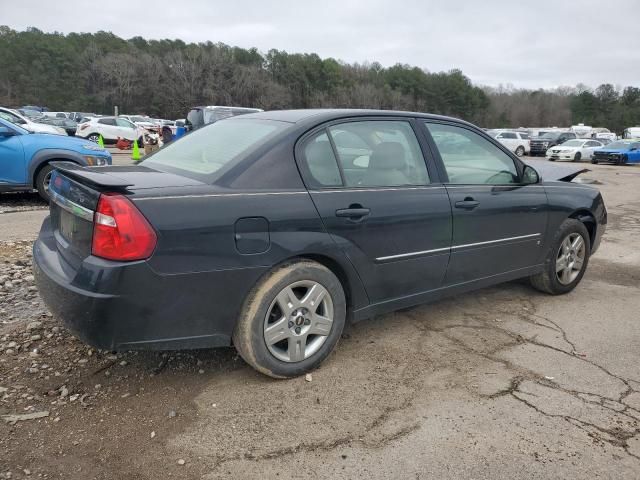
x,y
128,306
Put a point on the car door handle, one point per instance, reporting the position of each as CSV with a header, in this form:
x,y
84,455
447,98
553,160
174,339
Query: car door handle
x,y
353,212
468,204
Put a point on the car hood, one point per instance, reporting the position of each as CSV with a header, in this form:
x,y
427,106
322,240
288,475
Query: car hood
x,y
47,140
568,149
609,150
550,172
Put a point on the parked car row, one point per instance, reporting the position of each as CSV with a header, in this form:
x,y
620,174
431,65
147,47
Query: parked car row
x,y
26,156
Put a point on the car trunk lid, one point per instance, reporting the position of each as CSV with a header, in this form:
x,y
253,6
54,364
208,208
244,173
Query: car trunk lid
x,y
75,195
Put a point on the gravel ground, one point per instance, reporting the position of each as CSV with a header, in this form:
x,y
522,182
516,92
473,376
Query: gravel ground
x,y
20,202
501,383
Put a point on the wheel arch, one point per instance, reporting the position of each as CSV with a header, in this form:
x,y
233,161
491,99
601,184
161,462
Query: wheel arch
x,y
589,220
354,292
44,157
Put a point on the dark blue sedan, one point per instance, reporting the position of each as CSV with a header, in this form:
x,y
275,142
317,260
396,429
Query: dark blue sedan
x,y
269,231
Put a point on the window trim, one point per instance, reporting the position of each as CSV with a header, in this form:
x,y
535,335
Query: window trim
x,y
425,149
519,164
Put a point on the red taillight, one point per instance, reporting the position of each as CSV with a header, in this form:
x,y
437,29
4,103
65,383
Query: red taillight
x,y
120,231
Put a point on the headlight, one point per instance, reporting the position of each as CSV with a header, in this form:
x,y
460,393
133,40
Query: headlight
x,y
60,130
93,146
545,144
95,161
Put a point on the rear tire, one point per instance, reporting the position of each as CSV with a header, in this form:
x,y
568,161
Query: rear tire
x,y
275,331
93,137
623,160
564,267
42,182
577,157
594,161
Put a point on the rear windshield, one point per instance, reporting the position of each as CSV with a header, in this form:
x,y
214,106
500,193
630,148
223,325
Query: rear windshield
x,y
206,151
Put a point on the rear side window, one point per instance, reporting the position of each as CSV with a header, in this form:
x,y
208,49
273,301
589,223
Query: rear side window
x,y
321,162
381,153
207,150
508,135
470,158
524,136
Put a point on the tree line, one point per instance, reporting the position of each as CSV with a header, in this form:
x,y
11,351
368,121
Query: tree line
x,y
93,72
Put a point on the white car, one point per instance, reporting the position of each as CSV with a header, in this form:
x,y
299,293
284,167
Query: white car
x,y
25,122
574,150
517,142
139,120
111,128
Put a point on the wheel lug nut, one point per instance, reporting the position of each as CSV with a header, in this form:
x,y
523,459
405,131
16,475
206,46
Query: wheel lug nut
x,y
290,324
297,329
307,321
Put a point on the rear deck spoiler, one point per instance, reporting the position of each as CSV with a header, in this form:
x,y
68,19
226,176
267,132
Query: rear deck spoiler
x,y
93,177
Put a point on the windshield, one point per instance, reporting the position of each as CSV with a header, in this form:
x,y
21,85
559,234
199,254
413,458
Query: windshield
x,y
11,117
207,150
550,135
573,143
619,146
12,125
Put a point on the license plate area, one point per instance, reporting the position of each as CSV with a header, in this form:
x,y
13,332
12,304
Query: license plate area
x,y
67,225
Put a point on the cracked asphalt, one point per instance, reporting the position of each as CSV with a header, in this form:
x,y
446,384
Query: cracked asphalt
x,y
502,383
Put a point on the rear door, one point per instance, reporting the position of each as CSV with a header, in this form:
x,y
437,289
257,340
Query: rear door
x,y
509,140
380,202
498,222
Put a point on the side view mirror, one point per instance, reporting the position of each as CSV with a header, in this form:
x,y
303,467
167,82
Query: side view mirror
x,y
530,176
6,132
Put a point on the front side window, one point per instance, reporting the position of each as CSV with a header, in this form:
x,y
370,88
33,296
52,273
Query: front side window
x,y
379,153
470,158
107,121
123,122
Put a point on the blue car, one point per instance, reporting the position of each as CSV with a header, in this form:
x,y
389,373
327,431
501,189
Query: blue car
x,y
25,157
619,152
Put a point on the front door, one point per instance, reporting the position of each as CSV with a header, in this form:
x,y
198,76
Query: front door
x,y
499,223
371,186
13,169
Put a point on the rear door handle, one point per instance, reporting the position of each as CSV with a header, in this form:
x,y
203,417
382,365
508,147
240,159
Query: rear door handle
x,y
353,212
468,204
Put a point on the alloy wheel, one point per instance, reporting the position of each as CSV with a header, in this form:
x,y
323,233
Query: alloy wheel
x,y
46,182
298,321
570,258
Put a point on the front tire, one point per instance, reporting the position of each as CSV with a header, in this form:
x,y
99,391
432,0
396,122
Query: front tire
x,y
577,157
291,320
42,182
520,151
566,260
94,137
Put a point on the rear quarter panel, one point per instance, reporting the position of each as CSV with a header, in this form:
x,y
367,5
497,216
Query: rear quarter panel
x,y
197,236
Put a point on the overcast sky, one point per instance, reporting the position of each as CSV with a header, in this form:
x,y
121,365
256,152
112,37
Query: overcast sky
x,y
533,43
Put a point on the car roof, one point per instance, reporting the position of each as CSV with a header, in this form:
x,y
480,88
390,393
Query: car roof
x,y
324,115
